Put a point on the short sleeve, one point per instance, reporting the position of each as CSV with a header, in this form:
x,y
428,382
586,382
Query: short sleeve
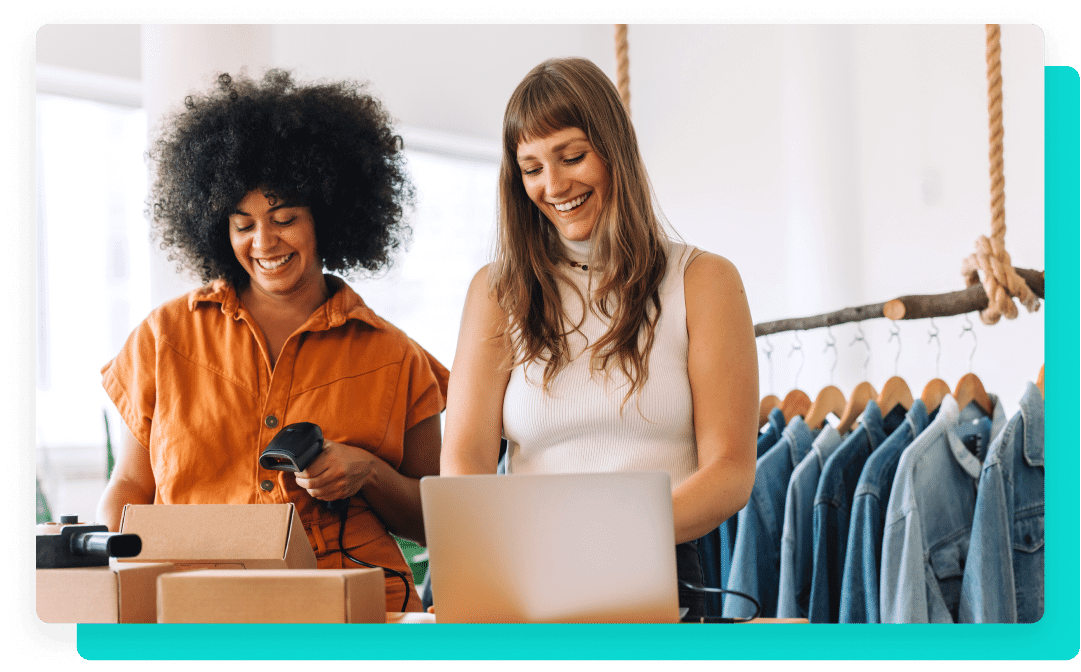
x,y
426,383
129,380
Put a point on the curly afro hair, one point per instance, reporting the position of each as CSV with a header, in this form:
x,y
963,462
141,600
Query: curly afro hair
x,y
329,147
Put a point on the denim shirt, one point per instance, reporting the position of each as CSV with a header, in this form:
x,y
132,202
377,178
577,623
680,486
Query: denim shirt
x,y
863,556
1003,580
929,517
794,589
756,556
833,502
715,548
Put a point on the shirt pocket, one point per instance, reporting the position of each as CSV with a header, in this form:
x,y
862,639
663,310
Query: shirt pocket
x,y
948,564
1028,533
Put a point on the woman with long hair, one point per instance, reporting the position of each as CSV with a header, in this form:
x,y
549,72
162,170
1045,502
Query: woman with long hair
x,y
595,342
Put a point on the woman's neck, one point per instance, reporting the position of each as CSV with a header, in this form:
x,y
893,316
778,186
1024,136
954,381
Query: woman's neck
x,y
576,250
302,301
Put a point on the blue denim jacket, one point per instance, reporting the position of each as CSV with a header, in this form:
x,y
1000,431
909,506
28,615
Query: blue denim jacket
x,y
715,548
859,581
1003,580
929,516
794,589
756,556
833,502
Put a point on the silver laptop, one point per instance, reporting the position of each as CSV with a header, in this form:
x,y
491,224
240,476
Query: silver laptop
x,y
557,548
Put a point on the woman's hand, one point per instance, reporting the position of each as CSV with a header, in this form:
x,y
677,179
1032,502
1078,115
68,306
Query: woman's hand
x,y
339,472
342,471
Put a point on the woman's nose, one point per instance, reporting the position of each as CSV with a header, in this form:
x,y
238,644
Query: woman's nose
x,y
557,181
265,236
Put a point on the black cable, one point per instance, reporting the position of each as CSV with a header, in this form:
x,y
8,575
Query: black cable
x,y
345,551
722,619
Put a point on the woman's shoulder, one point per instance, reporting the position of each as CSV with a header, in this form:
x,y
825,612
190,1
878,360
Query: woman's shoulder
x,y
709,278
699,266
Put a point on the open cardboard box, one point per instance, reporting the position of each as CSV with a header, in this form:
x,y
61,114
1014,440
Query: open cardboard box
x,y
220,536
119,593
273,596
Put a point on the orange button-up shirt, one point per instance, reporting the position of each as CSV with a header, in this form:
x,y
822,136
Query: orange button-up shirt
x,y
194,384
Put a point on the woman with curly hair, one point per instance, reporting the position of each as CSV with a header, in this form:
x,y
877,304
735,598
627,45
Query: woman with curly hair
x,y
259,187
594,342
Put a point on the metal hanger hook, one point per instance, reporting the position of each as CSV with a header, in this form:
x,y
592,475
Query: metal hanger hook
x,y
768,352
803,357
832,343
969,329
933,336
895,330
861,337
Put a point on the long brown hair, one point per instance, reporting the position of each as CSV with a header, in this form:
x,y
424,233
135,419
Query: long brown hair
x,y
628,245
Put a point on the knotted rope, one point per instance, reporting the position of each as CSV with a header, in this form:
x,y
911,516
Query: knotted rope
x,y
623,76
1000,280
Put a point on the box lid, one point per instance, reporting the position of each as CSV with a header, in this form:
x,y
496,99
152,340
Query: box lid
x,y
252,535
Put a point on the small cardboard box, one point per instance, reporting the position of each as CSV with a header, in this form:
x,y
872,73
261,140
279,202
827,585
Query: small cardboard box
x,y
273,596
119,593
220,536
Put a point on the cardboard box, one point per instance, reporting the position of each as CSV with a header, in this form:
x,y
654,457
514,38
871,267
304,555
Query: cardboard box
x,y
120,593
220,536
273,596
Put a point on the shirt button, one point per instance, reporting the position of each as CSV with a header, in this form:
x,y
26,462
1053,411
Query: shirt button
x,y
1028,538
267,486
271,421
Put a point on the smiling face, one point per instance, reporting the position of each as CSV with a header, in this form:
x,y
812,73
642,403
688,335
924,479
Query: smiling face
x,y
274,241
566,179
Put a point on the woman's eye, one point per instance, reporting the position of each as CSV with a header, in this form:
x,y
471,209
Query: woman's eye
x,y
286,222
576,159
242,229
530,171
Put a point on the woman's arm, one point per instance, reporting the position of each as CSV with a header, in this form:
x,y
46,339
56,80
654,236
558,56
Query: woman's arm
x,y
478,381
722,365
132,482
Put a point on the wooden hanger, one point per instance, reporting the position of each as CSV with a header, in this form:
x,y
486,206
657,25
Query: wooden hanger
x,y
769,402
863,393
894,392
970,389
795,403
829,400
933,392
1039,380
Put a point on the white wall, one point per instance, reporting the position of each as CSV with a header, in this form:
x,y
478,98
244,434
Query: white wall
x,y
835,165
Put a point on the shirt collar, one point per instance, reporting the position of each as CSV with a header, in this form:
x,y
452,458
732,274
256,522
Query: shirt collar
x,y
1032,414
344,304
952,417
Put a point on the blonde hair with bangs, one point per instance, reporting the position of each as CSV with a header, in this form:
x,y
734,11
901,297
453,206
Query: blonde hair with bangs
x,y
628,242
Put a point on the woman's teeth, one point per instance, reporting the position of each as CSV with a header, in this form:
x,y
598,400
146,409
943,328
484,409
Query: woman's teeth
x,y
571,205
271,264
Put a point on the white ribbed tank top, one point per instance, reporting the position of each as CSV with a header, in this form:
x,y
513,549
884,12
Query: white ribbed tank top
x,y
577,427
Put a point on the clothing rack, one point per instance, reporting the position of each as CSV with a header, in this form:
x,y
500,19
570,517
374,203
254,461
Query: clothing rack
x,y
911,307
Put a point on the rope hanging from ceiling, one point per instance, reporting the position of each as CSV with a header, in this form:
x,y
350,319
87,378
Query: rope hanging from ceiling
x,y
992,297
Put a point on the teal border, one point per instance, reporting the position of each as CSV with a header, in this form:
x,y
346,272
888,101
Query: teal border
x,y
1055,637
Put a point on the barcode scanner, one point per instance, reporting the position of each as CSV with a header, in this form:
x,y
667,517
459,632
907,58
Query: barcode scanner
x,y
294,448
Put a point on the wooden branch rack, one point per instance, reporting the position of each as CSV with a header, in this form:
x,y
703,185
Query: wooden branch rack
x,y
913,307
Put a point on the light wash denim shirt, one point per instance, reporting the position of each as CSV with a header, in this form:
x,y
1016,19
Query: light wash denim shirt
x,y
794,589
1003,581
756,556
715,548
863,555
833,502
929,516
